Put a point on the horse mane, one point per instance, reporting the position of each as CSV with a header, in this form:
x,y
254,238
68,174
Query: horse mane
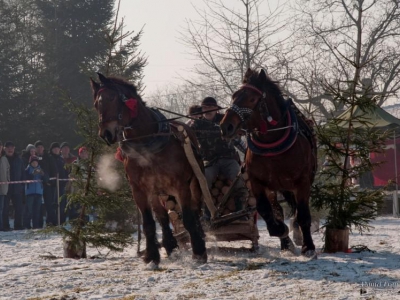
x,y
125,84
271,86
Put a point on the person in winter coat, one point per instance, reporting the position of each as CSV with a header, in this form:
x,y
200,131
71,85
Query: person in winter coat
x,y
27,153
15,191
49,188
220,156
4,177
34,193
62,173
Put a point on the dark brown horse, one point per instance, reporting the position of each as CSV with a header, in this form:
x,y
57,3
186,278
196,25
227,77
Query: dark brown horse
x,y
155,163
281,154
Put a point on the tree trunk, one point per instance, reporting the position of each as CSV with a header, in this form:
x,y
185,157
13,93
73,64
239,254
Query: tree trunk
x,y
336,240
74,249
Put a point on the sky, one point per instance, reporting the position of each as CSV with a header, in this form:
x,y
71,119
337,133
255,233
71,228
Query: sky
x,y
162,21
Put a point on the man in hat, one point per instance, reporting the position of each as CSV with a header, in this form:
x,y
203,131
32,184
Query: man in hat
x,y
15,191
220,157
195,112
66,154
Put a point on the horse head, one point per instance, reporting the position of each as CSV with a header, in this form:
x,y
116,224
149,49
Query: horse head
x,y
257,102
117,103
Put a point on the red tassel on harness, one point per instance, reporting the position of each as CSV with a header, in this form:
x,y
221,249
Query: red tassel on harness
x,y
118,155
263,127
132,105
271,121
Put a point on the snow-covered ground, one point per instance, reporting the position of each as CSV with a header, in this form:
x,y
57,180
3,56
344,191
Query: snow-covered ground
x,y
27,272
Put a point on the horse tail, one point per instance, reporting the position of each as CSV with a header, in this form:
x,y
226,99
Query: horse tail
x,y
291,200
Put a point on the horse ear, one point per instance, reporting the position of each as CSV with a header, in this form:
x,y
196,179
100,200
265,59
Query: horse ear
x,y
95,86
103,79
246,77
262,76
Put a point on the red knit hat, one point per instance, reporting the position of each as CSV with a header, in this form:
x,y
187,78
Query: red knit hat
x,y
81,149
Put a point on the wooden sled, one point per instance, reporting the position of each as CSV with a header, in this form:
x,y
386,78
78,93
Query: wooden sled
x,y
227,223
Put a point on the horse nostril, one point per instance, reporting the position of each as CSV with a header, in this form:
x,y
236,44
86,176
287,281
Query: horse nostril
x,y
230,130
108,137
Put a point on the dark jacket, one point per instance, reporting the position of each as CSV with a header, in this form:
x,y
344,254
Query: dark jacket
x,y
212,145
47,164
17,173
25,157
60,170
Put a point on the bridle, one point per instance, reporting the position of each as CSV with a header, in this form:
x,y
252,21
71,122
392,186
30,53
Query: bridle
x,y
244,113
118,117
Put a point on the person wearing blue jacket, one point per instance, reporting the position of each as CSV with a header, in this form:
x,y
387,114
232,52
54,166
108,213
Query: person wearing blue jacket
x,y
34,193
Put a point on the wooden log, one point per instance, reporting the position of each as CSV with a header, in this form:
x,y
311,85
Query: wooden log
x,y
252,201
225,189
248,185
170,205
215,192
219,198
336,240
173,215
219,184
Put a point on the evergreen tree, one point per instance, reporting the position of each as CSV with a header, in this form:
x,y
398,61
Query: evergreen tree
x,y
341,140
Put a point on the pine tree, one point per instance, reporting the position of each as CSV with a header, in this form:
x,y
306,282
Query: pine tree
x,y
340,140
123,59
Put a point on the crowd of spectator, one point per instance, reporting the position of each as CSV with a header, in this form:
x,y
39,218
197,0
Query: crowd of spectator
x,y
28,183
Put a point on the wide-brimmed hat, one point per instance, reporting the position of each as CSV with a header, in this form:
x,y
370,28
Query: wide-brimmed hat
x,y
210,101
195,109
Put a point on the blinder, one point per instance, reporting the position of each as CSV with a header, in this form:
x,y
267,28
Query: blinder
x,y
131,103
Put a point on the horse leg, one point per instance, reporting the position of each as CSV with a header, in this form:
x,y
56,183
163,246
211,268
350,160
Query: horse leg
x,y
265,207
304,220
168,239
190,201
151,253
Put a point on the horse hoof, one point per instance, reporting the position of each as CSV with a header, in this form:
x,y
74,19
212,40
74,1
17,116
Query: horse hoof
x,y
255,249
200,258
311,254
287,244
152,266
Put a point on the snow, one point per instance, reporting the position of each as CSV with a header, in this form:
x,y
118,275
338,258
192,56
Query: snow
x,y
33,268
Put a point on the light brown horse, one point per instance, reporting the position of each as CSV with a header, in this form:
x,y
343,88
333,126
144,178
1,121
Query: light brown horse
x,y
281,154
155,163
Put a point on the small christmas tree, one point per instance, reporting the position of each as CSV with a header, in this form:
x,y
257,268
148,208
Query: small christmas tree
x,y
347,137
89,198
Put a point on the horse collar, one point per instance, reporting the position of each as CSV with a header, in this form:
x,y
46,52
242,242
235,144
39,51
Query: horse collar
x,y
155,144
283,144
